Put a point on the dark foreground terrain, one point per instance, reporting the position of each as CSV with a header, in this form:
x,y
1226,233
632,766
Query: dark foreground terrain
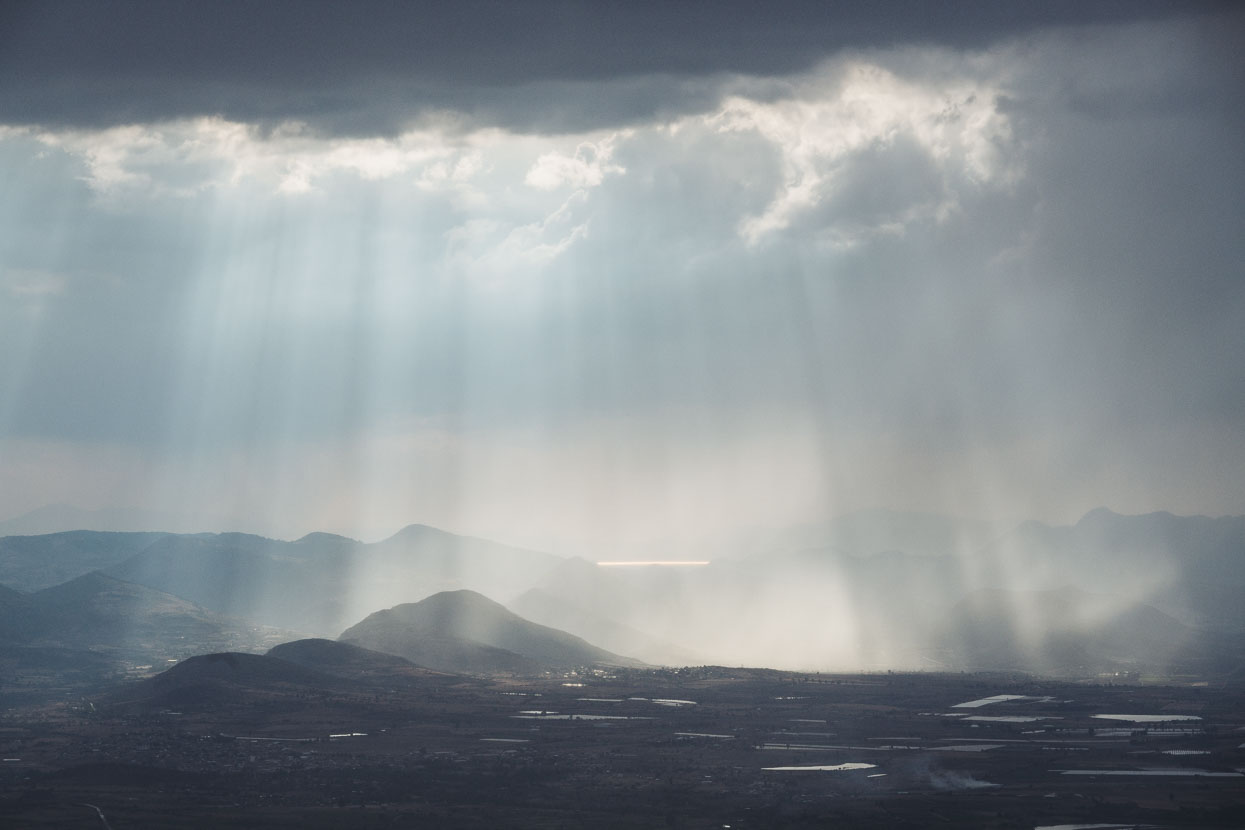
x,y
625,748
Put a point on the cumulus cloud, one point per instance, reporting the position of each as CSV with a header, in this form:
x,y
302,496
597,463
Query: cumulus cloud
x,y
832,123
586,167
180,157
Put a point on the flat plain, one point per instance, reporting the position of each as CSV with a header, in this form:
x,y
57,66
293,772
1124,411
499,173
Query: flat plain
x,y
697,747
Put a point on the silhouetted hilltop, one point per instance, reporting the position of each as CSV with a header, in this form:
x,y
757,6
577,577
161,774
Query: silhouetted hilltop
x,y
235,667
225,677
432,560
417,534
319,539
463,631
346,660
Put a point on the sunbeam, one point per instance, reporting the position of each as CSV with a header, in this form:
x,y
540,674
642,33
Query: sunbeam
x,y
621,414
713,330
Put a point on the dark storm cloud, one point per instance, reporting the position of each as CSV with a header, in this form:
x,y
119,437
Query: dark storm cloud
x,y
372,67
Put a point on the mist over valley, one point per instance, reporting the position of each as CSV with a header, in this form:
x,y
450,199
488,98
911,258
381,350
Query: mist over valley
x,y
1144,595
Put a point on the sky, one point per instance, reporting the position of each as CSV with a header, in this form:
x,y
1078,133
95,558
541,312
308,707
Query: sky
x,y
621,278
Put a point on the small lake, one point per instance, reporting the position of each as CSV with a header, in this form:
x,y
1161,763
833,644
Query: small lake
x,y
986,701
1149,733
701,735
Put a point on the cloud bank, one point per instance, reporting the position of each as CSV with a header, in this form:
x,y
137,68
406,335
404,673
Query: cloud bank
x,y
989,270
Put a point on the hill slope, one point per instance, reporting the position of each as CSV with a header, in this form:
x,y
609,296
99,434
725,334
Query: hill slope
x,y
98,611
347,660
539,606
463,631
32,563
321,583
226,677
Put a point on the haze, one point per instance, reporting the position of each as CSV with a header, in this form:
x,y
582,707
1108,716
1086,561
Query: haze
x,y
642,284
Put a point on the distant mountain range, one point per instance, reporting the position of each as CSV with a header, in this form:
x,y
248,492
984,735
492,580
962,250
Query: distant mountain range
x,y
318,584
1156,592
1181,564
811,606
1063,632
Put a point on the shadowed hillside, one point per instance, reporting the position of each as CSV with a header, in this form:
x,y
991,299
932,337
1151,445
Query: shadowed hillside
x,y
98,610
1063,632
349,660
322,582
226,677
31,563
122,625
463,631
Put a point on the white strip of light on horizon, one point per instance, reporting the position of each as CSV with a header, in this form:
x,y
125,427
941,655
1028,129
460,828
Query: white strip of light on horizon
x,y
638,564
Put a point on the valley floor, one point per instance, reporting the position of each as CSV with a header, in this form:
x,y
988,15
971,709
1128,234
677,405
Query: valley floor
x,y
693,748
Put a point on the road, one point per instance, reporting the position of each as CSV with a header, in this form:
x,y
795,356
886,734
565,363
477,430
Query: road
x,y
100,813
